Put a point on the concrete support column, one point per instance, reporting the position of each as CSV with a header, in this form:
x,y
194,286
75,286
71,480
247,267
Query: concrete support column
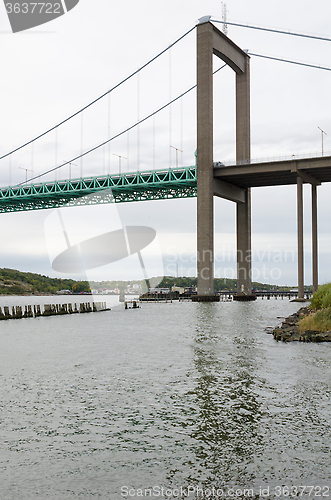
x,y
300,238
314,236
205,211
244,282
243,155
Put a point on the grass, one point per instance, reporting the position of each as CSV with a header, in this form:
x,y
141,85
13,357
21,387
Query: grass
x,y
321,319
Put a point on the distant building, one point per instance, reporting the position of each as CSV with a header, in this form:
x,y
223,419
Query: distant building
x,y
159,290
133,289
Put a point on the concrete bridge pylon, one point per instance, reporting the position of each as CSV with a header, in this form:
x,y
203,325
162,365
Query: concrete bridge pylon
x,y
211,41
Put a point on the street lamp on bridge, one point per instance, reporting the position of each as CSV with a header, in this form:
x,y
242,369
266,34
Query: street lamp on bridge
x,y
173,147
323,133
26,172
70,163
119,161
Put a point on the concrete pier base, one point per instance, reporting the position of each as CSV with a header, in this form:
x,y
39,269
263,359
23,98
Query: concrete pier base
x,y
245,298
205,298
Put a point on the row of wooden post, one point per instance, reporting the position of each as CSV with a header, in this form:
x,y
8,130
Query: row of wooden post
x,y
16,312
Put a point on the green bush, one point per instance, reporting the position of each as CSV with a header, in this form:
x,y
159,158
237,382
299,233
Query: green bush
x,y
326,300
322,298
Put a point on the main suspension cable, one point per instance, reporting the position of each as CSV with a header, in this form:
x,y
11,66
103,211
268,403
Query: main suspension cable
x,y
273,30
289,61
119,134
100,97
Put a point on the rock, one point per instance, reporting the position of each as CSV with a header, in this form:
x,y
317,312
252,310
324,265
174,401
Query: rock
x,y
286,336
295,338
300,300
289,332
324,337
277,333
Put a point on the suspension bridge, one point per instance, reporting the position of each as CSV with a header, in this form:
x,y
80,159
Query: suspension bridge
x,y
203,180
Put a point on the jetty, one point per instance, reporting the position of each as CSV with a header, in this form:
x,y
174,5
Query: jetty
x,y
226,296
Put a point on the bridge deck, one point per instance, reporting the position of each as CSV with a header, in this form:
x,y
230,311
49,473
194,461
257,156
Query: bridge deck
x,y
158,184
136,186
275,173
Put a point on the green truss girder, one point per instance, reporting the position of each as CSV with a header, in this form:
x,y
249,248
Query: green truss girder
x,y
123,188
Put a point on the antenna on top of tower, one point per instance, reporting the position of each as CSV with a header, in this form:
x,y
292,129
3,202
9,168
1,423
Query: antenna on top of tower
x,y
224,12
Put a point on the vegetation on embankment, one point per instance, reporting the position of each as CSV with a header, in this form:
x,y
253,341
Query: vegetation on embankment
x,y
319,321
320,318
13,282
309,324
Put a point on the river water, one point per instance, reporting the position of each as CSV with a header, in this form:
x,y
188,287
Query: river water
x,y
161,402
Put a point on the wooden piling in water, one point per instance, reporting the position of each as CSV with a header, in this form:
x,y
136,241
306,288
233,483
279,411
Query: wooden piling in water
x,y
16,312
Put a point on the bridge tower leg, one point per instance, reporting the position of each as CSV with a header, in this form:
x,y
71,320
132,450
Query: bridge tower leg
x,y
243,155
205,202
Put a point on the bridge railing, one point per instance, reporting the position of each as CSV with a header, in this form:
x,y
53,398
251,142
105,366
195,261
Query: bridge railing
x,y
267,159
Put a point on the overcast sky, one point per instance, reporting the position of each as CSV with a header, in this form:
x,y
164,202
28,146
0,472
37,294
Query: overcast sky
x,y
52,71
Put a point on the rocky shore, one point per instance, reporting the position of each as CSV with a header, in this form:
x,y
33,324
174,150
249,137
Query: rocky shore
x,y
289,331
